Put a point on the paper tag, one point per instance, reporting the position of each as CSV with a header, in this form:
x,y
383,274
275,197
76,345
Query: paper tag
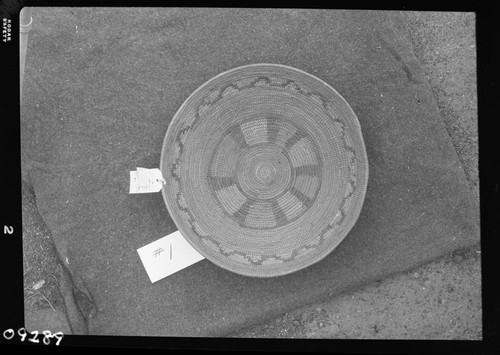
x,y
167,255
146,180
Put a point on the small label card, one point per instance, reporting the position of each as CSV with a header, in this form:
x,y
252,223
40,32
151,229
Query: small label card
x,y
167,255
146,180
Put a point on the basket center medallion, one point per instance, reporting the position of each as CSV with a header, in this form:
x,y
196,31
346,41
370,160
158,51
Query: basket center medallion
x,y
275,176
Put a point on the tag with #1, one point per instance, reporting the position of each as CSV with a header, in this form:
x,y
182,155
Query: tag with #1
x,y
146,181
167,255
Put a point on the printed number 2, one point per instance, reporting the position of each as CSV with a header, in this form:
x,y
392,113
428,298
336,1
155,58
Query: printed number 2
x,y
8,230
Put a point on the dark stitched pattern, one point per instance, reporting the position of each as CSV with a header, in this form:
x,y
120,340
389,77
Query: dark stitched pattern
x,y
265,169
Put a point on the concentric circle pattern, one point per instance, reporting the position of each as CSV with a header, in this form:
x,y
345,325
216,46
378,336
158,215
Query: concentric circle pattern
x,y
266,169
275,176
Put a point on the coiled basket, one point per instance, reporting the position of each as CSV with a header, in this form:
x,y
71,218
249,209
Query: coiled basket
x,y
266,169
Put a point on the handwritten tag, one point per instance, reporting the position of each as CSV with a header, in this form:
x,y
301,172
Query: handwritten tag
x,y
167,255
146,180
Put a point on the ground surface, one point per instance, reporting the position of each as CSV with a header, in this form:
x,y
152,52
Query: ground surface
x,y
440,300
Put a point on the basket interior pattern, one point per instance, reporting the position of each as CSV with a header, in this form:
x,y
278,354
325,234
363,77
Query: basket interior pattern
x,y
266,170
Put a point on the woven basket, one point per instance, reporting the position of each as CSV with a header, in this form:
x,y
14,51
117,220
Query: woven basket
x,y
266,169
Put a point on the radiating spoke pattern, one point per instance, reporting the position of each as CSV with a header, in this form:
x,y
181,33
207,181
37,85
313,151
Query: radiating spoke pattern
x,y
241,214
267,174
238,136
220,182
306,200
294,139
273,127
310,170
279,215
